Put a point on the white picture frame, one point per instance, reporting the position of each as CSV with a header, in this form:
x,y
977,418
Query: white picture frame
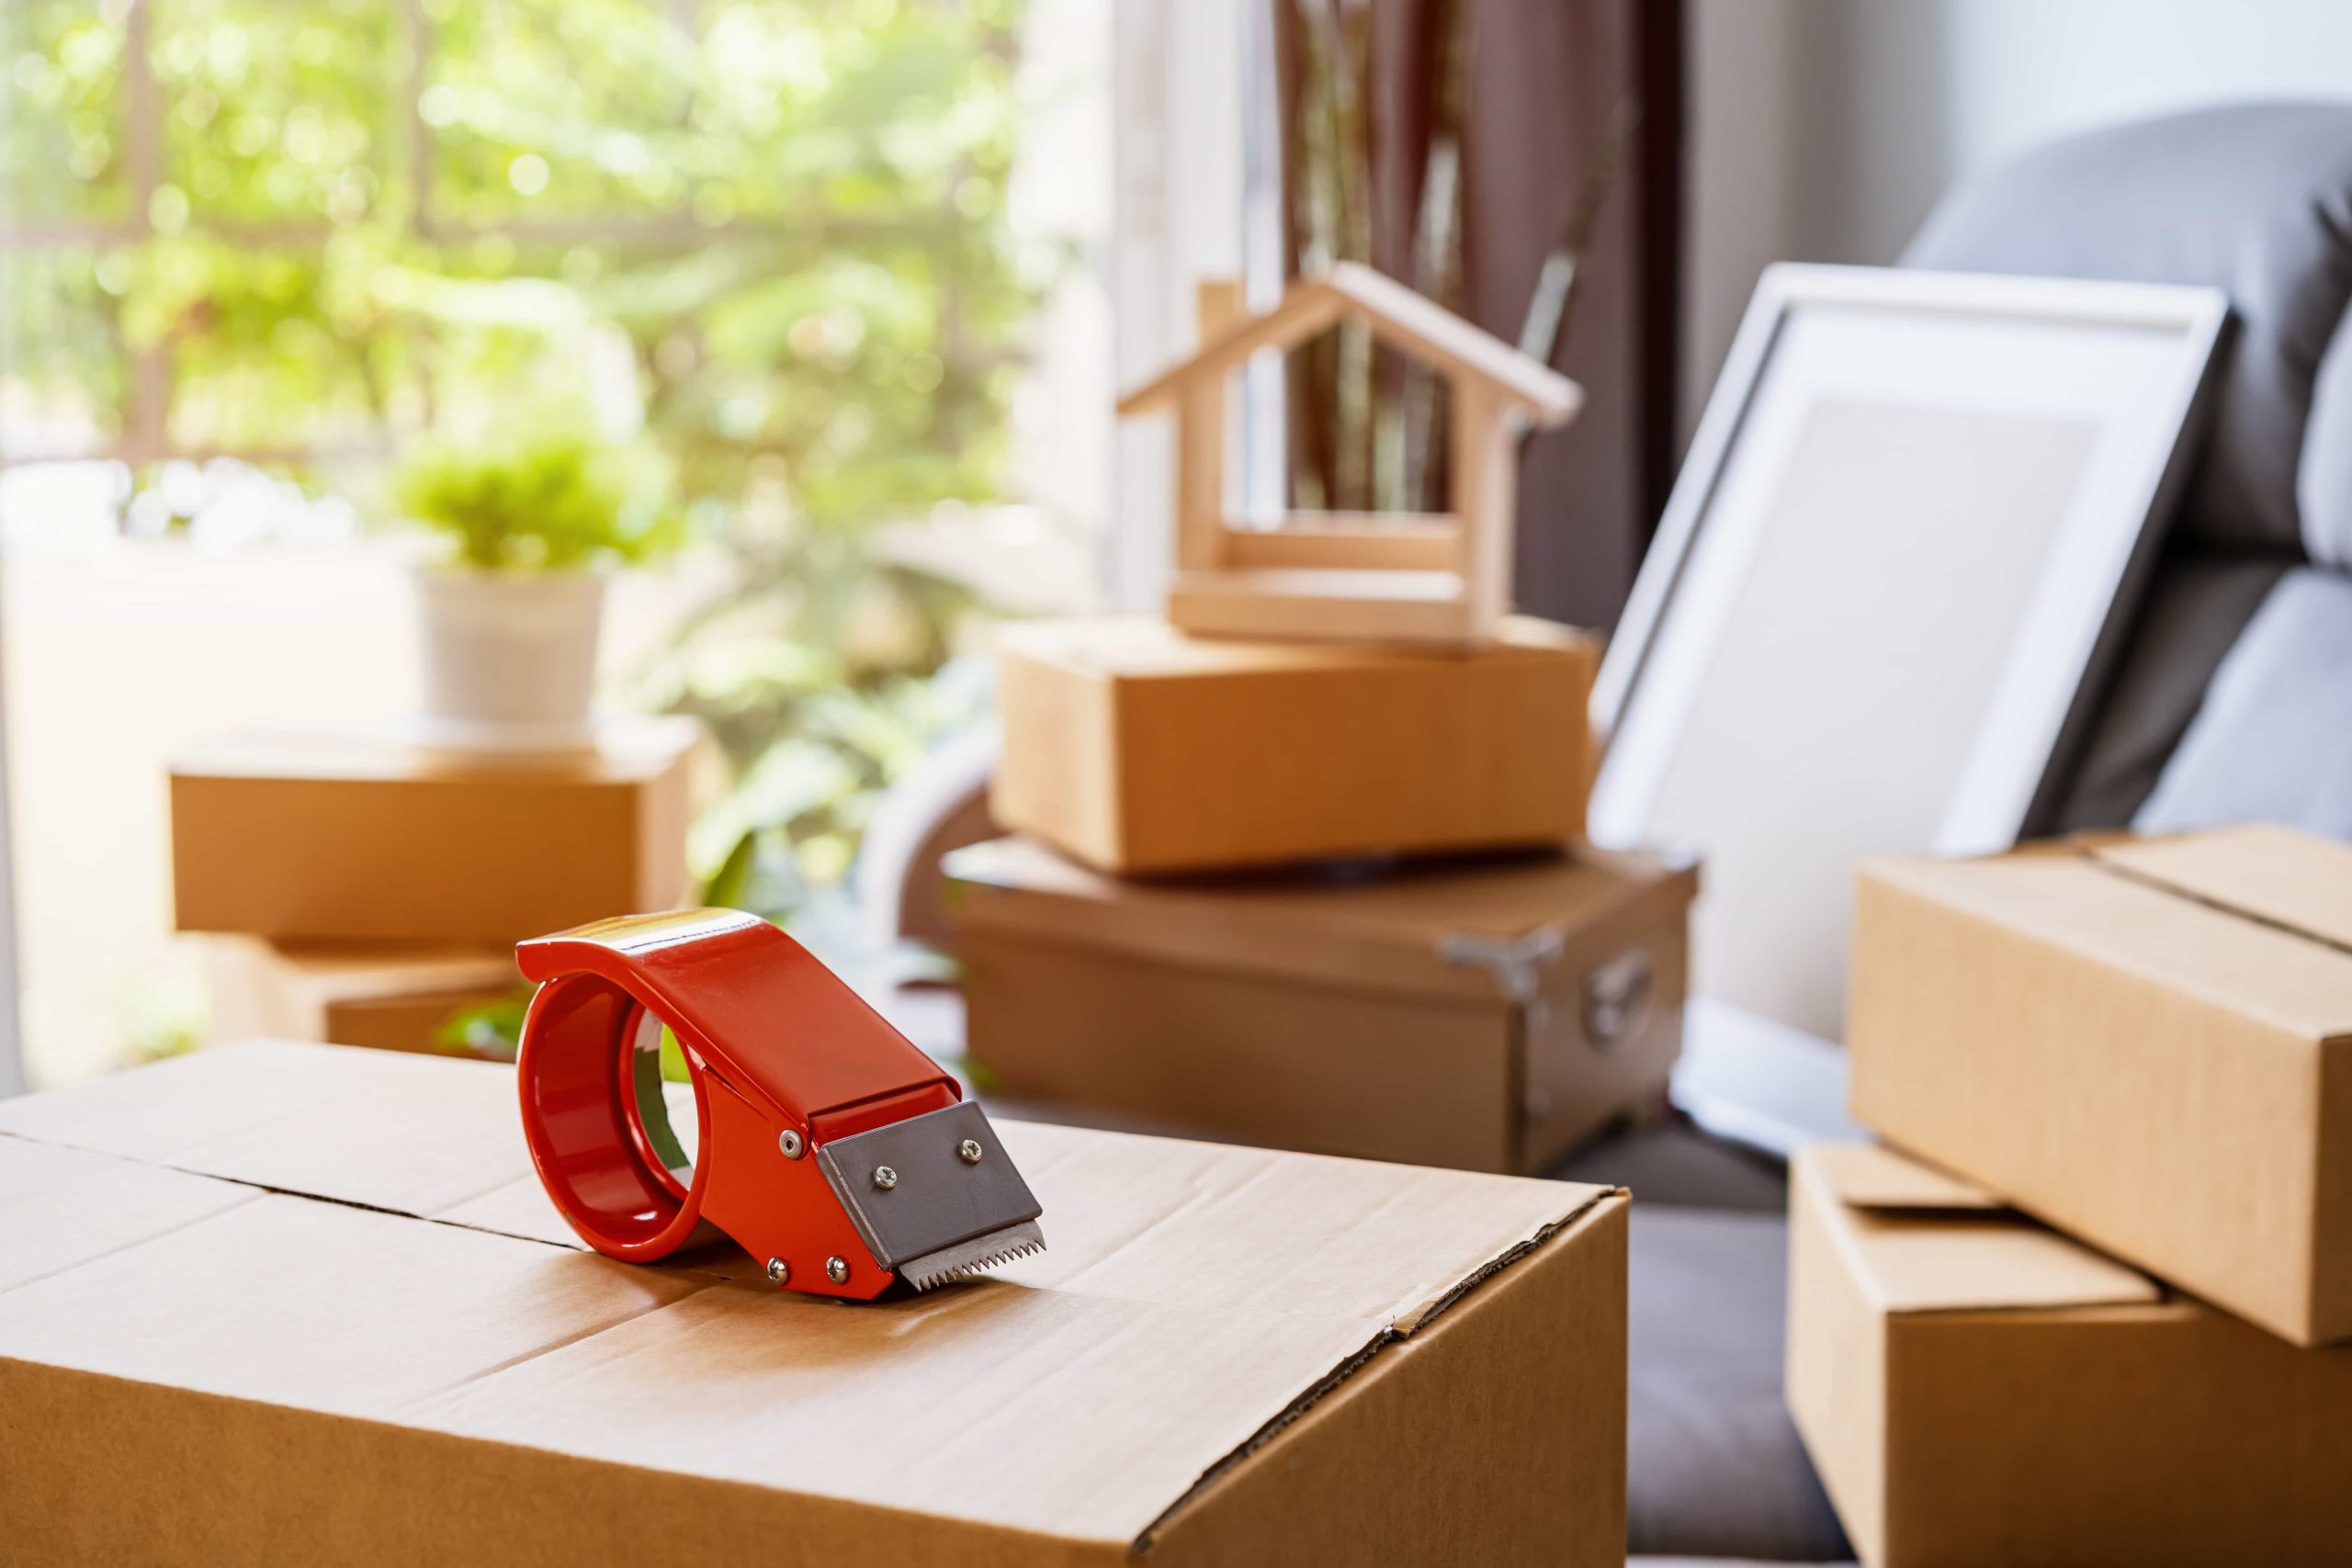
x,y
1888,583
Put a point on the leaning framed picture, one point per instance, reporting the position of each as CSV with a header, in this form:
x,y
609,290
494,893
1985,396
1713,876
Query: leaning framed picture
x,y
1875,618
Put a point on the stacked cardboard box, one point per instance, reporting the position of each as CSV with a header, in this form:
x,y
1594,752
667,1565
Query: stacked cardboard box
x,y
2121,1330
1331,704
1314,895
288,1303
362,889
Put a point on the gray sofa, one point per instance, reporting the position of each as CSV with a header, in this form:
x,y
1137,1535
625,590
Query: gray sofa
x,y
2231,701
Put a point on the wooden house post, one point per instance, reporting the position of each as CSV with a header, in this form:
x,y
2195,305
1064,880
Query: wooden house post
x,y
1483,499
1200,438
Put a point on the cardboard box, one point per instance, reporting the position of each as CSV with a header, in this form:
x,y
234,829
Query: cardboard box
x,y
1977,1390
280,1304
384,999
350,838
1137,750
1486,1014
2145,1042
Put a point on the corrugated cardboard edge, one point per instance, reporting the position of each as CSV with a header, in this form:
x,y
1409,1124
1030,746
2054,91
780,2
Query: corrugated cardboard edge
x,y
630,751
2062,1275
1396,1332
1871,1176
359,1446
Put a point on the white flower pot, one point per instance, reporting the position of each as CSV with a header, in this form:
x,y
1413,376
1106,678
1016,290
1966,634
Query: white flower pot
x,y
509,658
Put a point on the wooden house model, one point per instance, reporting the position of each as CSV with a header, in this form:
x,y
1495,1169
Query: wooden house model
x,y
1339,577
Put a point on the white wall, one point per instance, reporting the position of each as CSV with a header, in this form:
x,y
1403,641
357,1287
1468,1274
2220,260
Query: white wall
x,y
1825,130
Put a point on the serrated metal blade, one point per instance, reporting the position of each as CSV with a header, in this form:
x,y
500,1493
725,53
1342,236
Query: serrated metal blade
x,y
934,1197
966,1259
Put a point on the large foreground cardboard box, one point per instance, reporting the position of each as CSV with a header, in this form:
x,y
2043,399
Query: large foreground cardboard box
x,y
2147,1043
1978,1390
350,838
387,998
295,1304
1137,750
1487,1014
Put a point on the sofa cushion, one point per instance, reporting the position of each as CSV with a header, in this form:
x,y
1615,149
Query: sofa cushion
x,y
2272,740
2196,608
2253,199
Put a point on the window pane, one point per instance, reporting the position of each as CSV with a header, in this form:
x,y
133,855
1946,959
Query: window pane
x,y
886,110
62,393
556,109
258,363
62,137
275,111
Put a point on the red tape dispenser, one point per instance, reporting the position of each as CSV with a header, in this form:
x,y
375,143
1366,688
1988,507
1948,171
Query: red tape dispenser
x,y
828,1146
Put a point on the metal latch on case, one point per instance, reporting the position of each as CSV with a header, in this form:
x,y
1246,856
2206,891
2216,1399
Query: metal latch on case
x,y
828,1146
1615,998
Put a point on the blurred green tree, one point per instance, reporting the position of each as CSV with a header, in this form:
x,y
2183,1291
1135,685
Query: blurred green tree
x,y
305,232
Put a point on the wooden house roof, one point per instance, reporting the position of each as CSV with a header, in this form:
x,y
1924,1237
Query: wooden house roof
x,y
1396,316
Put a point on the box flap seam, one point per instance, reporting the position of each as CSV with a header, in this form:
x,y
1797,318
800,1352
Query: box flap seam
x,y
2220,906
263,1188
253,1195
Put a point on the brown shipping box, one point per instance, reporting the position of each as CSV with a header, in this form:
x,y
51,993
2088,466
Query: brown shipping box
x,y
1976,1389
2147,1043
1138,750
387,998
288,1303
1487,1014
352,838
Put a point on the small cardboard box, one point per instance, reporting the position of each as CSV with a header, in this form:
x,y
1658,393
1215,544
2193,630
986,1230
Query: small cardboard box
x,y
1975,1389
387,998
2145,1042
283,1304
351,838
1137,750
1485,1014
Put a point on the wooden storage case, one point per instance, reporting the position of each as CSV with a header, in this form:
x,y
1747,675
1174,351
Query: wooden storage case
x,y
1137,750
1487,1014
289,1303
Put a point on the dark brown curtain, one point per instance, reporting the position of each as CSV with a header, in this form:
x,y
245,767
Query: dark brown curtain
x,y
1454,144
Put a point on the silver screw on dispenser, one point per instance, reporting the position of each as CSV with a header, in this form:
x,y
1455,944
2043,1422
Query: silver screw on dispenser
x,y
969,1151
837,1271
885,1177
789,1141
779,1271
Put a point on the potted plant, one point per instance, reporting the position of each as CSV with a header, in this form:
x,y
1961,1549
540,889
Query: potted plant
x,y
533,519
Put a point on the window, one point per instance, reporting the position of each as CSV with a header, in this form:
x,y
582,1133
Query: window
x,y
252,245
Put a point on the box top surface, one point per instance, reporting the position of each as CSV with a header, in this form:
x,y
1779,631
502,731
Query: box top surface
x,y
2256,919
1457,925
629,750
1921,1240
1144,647
274,1221
358,971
